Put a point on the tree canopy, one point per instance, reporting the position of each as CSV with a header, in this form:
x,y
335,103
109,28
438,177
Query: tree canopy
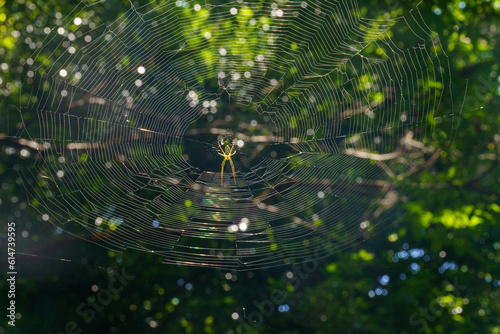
x,y
431,266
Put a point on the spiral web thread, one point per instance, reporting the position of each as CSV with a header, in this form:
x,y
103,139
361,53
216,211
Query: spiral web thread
x,y
108,111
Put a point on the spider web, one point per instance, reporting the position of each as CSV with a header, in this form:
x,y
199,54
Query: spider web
x,y
125,117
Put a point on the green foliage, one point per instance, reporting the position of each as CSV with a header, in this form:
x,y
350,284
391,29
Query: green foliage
x,y
448,218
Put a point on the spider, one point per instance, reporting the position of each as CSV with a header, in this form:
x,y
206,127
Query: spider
x,y
227,153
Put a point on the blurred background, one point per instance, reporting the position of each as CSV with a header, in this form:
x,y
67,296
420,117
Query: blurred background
x,y
417,251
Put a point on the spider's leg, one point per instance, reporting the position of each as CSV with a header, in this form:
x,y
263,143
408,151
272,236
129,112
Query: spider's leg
x,y
231,150
221,148
232,167
222,172
222,155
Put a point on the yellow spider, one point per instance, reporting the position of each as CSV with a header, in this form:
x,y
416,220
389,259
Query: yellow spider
x,y
227,153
